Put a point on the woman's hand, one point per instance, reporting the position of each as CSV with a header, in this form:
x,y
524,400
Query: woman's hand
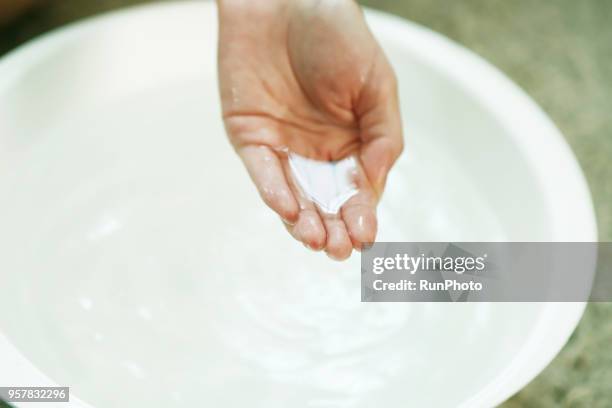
x,y
308,76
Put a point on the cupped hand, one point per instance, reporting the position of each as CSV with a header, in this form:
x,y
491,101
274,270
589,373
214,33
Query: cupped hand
x,y
308,76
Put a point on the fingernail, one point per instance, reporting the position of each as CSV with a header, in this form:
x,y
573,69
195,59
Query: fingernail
x,y
366,245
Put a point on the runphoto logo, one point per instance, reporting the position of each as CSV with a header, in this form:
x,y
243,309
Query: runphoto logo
x,y
486,272
413,264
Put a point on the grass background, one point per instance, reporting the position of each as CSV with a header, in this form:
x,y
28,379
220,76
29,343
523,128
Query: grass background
x,y
560,52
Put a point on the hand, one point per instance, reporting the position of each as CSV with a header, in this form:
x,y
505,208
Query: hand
x,y
308,76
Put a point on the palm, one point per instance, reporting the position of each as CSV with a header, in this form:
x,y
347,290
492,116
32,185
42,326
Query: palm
x,y
314,81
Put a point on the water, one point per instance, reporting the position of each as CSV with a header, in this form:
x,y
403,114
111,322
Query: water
x,y
144,262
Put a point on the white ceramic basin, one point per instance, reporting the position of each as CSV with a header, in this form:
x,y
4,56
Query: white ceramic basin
x,y
139,267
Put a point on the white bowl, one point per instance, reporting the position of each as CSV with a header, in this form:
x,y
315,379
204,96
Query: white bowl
x,y
139,267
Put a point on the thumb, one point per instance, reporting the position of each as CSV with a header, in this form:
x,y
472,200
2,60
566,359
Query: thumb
x,y
380,126
377,158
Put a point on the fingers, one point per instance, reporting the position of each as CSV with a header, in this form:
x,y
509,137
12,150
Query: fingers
x,y
331,234
305,223
338,245
359,212
361,223
378,156
380,123
353,226
338,234
309,228
267,173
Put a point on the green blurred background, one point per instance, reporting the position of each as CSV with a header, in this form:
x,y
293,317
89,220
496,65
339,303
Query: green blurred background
x,y
560,52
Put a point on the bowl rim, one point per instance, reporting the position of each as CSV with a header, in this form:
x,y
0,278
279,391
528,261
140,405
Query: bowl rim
x,y
558,174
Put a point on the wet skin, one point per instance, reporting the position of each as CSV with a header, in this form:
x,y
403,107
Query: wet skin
x,y
307,76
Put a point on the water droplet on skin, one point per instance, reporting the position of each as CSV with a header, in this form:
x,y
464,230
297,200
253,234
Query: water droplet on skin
x,y
361,223
235,97
282,149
